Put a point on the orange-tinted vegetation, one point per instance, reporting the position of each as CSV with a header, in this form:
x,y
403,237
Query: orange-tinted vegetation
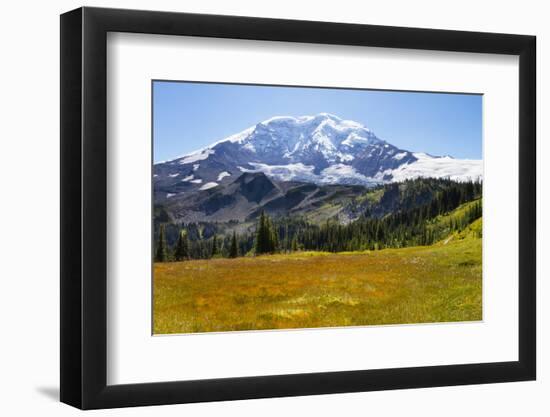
x,y
438,283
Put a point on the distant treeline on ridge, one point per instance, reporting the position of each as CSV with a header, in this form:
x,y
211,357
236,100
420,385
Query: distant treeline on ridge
x,y
404,227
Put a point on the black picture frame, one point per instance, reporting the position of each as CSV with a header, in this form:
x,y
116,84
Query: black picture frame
x,y
84,207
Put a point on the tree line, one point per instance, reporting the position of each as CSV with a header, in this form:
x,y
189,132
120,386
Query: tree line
x,y
405,227
184,249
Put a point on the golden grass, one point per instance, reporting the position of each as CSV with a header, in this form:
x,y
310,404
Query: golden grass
x,y
439,283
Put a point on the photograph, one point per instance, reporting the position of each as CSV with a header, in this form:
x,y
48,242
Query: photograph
x,y
259,206
277,207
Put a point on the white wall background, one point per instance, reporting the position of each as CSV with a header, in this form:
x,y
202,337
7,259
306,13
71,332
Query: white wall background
x,y
29,215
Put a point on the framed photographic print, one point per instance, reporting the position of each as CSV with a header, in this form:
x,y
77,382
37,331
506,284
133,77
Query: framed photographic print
x,y
257,208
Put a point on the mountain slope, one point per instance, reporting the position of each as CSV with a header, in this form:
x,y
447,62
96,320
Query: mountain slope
x,y
321,149
243,199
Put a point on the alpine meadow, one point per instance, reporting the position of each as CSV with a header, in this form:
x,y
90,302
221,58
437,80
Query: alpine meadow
x,y
307,221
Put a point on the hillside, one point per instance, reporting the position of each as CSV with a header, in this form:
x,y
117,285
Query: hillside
x,y
461,223
244,198
311,217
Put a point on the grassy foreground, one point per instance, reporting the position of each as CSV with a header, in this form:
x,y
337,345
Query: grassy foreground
x,y
438,283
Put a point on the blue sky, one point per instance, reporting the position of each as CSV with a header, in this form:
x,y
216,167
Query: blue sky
x,y
188,116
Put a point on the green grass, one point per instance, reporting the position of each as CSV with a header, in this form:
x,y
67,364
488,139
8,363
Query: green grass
x,y
439,283
373,196
442,224
323,213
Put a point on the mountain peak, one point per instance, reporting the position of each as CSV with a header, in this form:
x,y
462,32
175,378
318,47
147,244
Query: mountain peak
x,y
326,116
322,149
307,119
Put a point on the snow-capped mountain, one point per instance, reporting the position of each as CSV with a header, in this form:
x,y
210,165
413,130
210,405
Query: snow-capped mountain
x,y
321,149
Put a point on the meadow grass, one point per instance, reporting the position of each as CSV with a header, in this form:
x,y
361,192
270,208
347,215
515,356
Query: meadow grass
x,y
439,283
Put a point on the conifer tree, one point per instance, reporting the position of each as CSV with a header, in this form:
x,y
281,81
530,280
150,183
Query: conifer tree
x,y
234,248
214,246
181,251
273,237
261,235
284,240
294,245
161,254
267,240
